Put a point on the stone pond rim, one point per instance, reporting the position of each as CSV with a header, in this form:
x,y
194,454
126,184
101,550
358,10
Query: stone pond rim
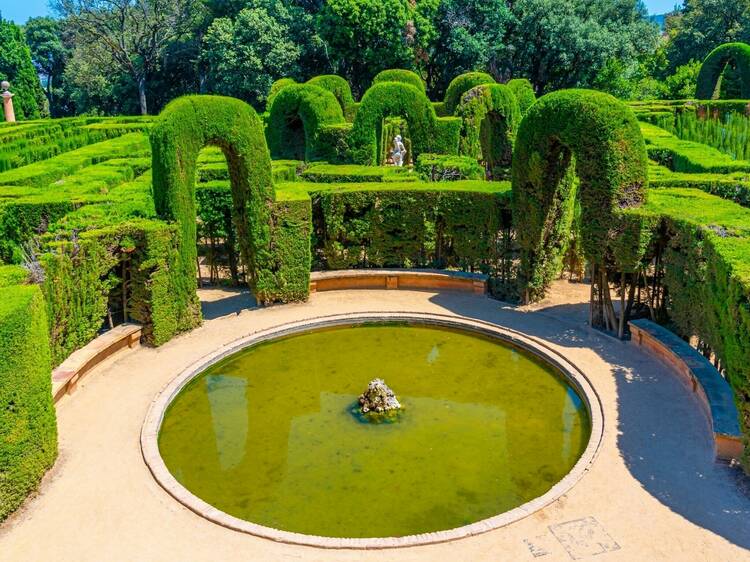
x,y
573,376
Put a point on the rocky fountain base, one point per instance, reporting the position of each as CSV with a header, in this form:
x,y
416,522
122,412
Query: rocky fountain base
x,y
378,403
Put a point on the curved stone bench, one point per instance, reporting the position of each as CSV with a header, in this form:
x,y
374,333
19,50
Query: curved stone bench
x,y
79,363
701,377
398,279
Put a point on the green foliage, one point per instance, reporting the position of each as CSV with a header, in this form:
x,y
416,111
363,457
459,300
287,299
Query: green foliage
x,y
384,99
183,129
17,68
524,92
438,167
566,134
338,86
295,120
687,156
462,84
45,40
708,83
276,87
353,173
729,134
28,430
490,116
245,55
367,36
682,84
399,75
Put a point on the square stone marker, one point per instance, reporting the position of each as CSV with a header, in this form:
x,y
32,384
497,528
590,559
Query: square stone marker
x,y
583,537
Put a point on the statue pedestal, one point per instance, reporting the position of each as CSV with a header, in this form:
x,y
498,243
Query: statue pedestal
x,y
10,114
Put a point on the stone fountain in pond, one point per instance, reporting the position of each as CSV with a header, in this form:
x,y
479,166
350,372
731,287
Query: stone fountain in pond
x,y
378,403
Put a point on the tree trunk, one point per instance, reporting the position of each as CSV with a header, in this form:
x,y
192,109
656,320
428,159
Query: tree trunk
x,y
142,95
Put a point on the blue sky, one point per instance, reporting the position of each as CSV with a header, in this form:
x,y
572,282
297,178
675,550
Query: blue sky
x,y
21,10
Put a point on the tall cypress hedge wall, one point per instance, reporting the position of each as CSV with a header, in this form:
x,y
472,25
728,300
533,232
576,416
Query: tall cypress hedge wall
x,y
295,120
28,429
714,64
595,137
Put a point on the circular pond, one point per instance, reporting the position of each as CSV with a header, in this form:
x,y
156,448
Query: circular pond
x,y
270,434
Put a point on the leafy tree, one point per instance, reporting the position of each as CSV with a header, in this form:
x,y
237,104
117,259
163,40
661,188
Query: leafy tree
x,y
17,68
49,54
367,36
245,55
471,35
134,32
566,43
702,25
681,85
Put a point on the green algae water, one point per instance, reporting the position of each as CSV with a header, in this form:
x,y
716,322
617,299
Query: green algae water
x,y
268,434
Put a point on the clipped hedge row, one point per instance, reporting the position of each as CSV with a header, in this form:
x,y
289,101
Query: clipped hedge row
x,y
438,167
708,83
338,86
524,92
28,429
595,137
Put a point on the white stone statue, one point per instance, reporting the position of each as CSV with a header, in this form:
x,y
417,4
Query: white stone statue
x,y
399,152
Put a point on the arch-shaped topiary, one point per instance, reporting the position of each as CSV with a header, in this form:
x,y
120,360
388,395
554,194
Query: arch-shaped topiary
x,y
462,84
715,63
524,92
596,137
276,87
338,86
490,119
400,75
395,99
183,128
294,121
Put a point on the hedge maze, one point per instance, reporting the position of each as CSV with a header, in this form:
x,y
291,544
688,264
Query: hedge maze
x,y
106,220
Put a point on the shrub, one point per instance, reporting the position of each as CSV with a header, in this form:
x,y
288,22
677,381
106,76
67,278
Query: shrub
x,y
276,87
438,167
524,92
385,99
596,137
184,127
295,120
28,430
399,75
338,86
490,119
714,66
462,84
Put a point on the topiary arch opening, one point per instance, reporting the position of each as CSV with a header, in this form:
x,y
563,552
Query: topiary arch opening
x,y
462,84
595,137
392,99
295,119
490,117
184,127
736,55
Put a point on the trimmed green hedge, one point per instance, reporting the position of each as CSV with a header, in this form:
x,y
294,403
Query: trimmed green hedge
x,y
338,86
715,63
490,118
595,137
462,84
184,127
28,430
297,115
276,87
426,132
399,75
524,92
439,167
